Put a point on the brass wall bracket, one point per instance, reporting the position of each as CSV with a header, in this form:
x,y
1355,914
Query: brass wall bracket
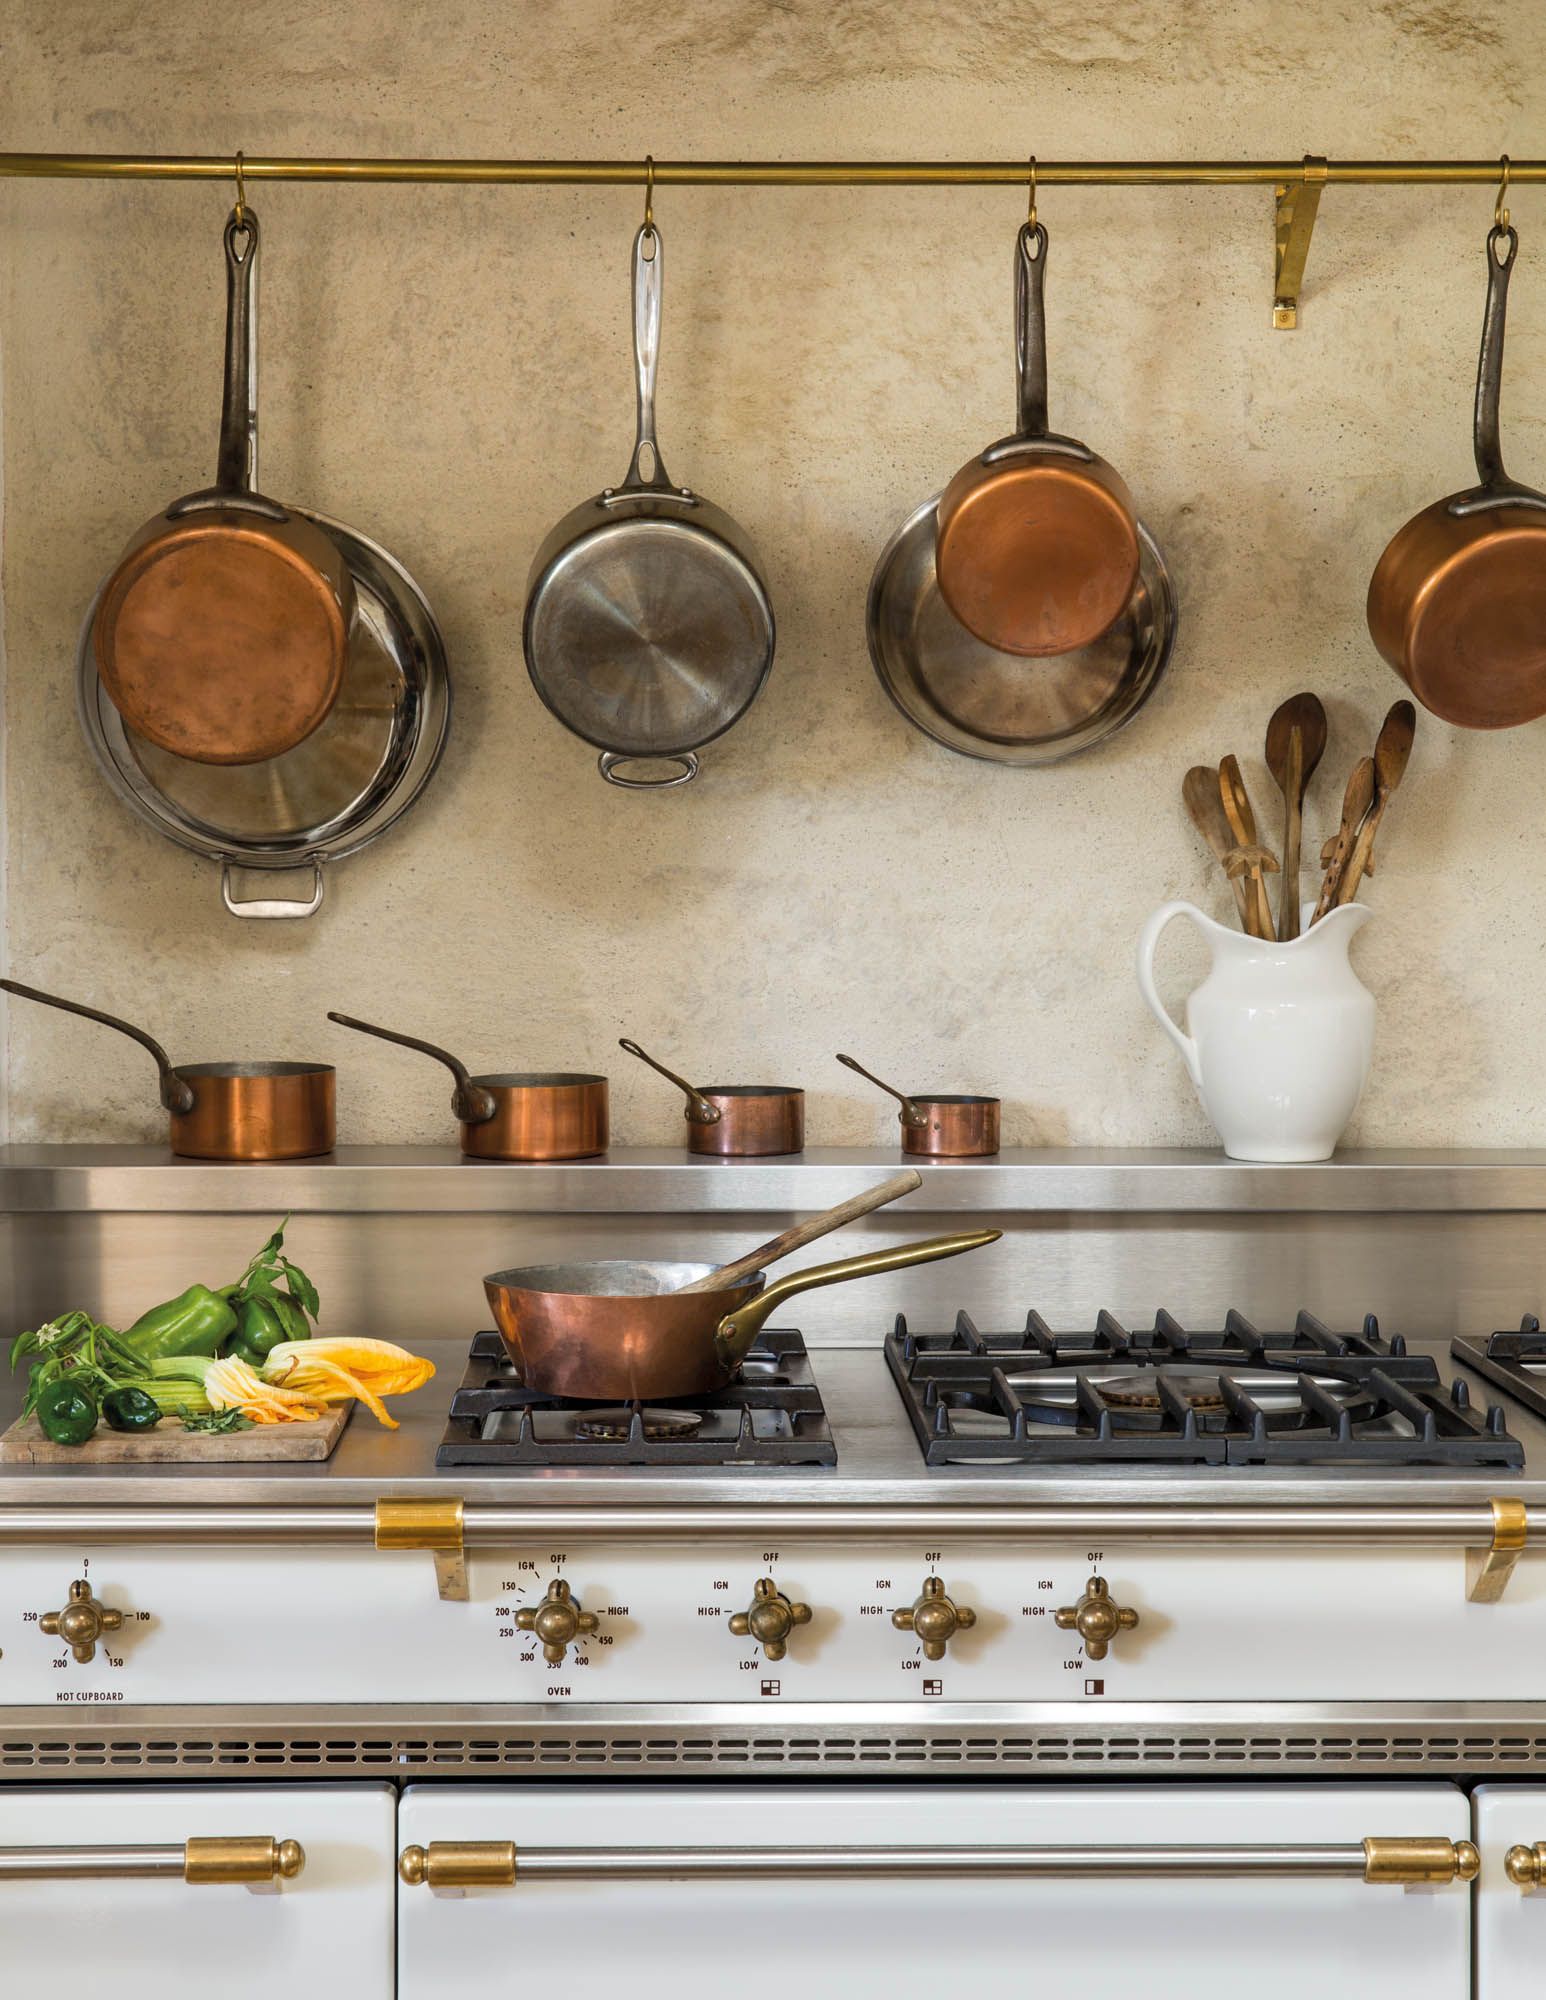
x,y
1487,1571
1297,203
435,1525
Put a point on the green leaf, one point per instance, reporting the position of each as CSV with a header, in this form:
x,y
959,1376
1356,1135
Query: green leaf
x,y
302,1290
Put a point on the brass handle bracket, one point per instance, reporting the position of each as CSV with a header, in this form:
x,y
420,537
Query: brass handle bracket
x,y
450,1867
1096,1618
256,1860
1293,225
1487,1571
769,1619
1525,1867
436,1525
82,1622
1407,1863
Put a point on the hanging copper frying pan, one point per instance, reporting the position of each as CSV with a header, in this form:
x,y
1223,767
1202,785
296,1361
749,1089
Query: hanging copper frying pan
x,y
1037,544
223,633
1457,603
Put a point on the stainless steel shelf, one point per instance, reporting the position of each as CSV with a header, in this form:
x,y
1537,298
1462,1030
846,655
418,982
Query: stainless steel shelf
x,y
376,1180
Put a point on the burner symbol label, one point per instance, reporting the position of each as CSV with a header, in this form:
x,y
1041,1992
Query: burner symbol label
x,y
1095,1687
934,1687
771,1687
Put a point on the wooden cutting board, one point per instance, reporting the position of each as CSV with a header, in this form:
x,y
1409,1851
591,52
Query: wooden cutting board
x,y
169,1444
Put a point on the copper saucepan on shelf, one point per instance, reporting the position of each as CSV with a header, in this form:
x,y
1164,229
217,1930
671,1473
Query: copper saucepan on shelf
x,y
735,1120
938,1127
229,1110
539,1115
623,1331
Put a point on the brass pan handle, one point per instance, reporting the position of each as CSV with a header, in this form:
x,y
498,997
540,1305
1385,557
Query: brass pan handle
x,y
177,1093
699,1109
469,1102
737,1330
912,1117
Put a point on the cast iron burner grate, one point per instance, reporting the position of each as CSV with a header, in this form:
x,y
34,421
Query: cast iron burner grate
x,y
771,1414
1515,1361
1236,1397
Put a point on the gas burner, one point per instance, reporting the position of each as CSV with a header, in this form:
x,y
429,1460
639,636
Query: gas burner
x,y
1235,1397
771,1414
1514,1361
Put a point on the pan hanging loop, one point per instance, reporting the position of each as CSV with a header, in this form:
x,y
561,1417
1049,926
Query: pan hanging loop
x,y
649,195
1030,207
241,193
1500,206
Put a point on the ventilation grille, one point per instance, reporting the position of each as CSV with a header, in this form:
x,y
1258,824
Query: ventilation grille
x,y
499,1753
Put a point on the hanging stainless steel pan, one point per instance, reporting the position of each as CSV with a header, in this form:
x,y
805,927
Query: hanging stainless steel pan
x,y
648,628
1000,706
351,779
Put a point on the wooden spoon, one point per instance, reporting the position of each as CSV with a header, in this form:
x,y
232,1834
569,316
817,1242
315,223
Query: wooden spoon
x,y
1237,807
1296,742
1200,795
1356,801
730,1275
1391,752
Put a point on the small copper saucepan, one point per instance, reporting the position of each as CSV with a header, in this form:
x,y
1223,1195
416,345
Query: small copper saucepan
x,y
624,1331
742,1120
543,1115
229,1110
941,1128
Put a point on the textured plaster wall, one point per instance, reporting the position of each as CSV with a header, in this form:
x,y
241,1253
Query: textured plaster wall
x,y
450,369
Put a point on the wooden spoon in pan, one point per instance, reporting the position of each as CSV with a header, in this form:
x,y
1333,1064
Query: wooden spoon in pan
x,y
1296,741
730,1275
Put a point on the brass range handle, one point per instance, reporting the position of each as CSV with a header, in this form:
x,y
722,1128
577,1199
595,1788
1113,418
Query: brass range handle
x,y
1097,1618
934,1618
1525,1866
82,1622
253,1859
1386,1861
557,1621
770,1618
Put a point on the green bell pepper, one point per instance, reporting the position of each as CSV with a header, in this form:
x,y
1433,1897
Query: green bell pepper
x,y
195,1322
260,1327
66,1412
130,1409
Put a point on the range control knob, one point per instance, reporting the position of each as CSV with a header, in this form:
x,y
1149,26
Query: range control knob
x,y
934,1618
769,1619
556,1620
1096,1618
81,1623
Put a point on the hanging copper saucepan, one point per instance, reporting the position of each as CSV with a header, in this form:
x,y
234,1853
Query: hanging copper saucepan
x,y
229,1110
543,1115
736,1120
1457,603
223,633
945,1128
624,1331
1037,549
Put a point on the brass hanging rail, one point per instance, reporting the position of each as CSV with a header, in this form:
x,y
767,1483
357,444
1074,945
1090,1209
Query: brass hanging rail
x,y
1297,183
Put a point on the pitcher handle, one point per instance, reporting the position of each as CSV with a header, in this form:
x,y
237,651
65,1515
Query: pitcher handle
x,y
1147,944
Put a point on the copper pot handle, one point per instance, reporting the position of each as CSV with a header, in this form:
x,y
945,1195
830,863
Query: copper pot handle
x,y
1031,330
469,1102
236,466
1497,489
699,1109
912,1117
737,1330
177,1094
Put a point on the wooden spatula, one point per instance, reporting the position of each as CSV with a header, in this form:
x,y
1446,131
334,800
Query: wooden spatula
x,y
1296,742
1391,752
730,1275
1237,808
1356,801
1200,795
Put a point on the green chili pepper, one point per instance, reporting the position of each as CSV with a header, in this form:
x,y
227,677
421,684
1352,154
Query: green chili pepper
x,y
66,1412
130,1409
260,1328
195,1322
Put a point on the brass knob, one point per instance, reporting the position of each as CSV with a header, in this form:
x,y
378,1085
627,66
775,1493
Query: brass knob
x,y
1525,1867
770,1618
1096,1618
81,1623
556,1620
934,1618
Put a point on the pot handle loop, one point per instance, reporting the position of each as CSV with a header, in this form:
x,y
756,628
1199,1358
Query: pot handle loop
x,y
236,470
1146,948
177,1094
469,1101
609,760
273,906
737,1330
645,470
1031,329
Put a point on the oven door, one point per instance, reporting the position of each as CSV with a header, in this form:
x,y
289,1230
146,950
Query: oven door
x,y
908,1889
1511,1894
156,1894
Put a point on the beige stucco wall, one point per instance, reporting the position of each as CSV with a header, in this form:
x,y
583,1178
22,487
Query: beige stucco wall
x,y
450,369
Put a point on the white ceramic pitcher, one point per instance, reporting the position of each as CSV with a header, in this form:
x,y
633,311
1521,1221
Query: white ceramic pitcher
x,y
1281,1035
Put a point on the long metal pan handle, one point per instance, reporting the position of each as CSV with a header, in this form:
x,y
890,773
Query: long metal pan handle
x,y
1388,1861
237,467
249,1858
737,1330
645,468
470,1103
912,1117
1031,330
176,1092
699,1109
1496,489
